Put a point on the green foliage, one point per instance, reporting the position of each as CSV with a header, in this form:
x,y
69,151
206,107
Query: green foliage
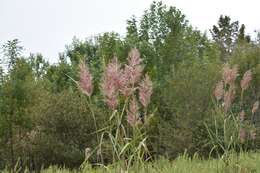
x,y
17,93
58,77
81,50
63,129
185,102
38,65
12,51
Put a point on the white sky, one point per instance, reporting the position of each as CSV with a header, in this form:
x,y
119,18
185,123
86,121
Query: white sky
x,y
46,26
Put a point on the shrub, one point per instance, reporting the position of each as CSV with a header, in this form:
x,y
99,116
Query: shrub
x,y
63,129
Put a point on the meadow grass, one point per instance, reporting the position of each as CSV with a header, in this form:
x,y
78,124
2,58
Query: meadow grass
x,y
242,163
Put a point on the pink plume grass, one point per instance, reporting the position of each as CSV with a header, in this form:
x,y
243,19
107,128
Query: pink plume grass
x,y
111,83
255,107
145,91
219,90
244,83
230,74
85,82
229,97
134,57
133,70
133,116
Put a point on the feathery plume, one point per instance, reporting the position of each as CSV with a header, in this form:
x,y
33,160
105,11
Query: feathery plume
x,y
255,107
229,96
133,113
126,89
85,82
244,83
219,90
112,102
134,57
133,70
113,72
111,82
87,153
131,73
253,134
145,91
230,74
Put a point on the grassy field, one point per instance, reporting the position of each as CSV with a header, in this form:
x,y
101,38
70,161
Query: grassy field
x,y
244,163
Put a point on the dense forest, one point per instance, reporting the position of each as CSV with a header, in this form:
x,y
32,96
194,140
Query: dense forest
x,y
161,90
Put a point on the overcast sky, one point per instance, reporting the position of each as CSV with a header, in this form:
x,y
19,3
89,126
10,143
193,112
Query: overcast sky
x,y
46,26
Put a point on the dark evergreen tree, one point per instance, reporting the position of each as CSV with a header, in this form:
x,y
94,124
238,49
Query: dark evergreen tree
x,y
225,34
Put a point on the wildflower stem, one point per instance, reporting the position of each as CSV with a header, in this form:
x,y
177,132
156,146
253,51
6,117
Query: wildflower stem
x,y
95,122
120,119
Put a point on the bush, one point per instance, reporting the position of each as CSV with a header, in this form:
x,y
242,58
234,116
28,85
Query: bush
x,y
63,129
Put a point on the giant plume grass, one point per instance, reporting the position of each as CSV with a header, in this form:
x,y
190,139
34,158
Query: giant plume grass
x,y
231,130
120,86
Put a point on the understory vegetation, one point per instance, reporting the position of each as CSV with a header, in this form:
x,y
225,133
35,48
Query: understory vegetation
x,y
245,163
164,97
